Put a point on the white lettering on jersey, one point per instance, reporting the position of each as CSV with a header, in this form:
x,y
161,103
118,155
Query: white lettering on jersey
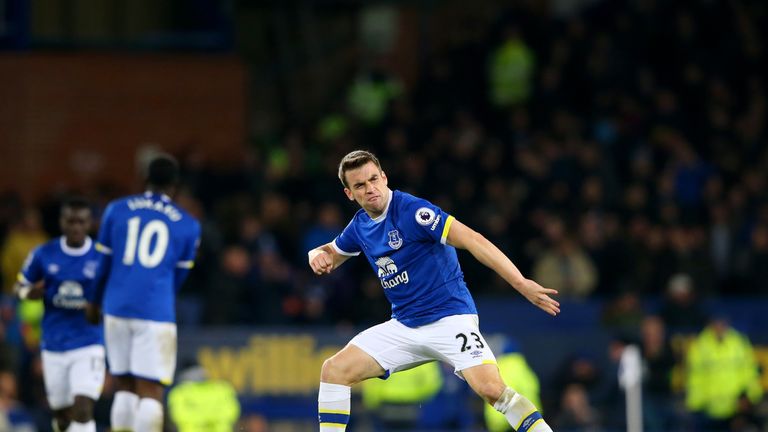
x,y
69,296
387,267
158,206
425,216
434,224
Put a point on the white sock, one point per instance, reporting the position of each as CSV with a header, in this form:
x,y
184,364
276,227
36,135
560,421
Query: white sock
x,y
333,402
123,411
82,427
149,416
521,414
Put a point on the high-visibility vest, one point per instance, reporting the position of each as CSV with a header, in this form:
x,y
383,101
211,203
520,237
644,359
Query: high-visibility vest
x,y
719,372
410,386
205,406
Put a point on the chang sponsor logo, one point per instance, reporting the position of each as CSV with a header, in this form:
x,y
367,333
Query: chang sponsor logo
x,y
69,296
388,268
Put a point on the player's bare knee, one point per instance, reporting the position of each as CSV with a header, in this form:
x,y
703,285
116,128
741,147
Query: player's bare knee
x,y
82,410
490,391
333,372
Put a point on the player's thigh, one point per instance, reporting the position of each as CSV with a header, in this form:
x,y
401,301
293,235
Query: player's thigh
x,y
457,340
118,339
153,354
86,375
393,346
350,366
55,373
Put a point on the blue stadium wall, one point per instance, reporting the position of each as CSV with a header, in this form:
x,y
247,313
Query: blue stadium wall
x,y
276,370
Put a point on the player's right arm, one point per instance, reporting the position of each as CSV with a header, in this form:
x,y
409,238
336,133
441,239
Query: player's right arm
x,y
29,281
324,259
104,248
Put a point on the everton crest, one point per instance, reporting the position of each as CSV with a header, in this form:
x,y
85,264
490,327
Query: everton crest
x,y
395,241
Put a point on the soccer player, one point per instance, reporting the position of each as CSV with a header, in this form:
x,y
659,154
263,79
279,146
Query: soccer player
x,y
61,272
410,243
148,246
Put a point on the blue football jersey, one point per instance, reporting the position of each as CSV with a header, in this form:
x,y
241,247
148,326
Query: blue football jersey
x,y
146,238
67,274
406,247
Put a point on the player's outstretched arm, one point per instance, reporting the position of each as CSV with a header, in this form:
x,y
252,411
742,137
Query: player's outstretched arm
x,y
27,291
463,237
324,259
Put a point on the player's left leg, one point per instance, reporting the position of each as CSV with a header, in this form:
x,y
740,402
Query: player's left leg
x,y
383,348
55,366
149,415
521,414
153,362
458,341
118,340
86,380
347,367
82,415
60,421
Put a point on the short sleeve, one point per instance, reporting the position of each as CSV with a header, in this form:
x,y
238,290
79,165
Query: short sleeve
x,y
32,269
104,241
426,221
347,243
192,243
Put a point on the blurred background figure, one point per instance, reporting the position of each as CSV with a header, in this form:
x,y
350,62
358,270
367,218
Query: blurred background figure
x,y
722,376
396,403
199,404
576,413
659,405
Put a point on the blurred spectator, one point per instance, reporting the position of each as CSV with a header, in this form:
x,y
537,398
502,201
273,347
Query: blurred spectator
x,y
582,369
754,262
564,265
23,236
623,313
681,310
576,413
198,404
253,423
396,400
658,361
13,415
721,368
511,71
370,95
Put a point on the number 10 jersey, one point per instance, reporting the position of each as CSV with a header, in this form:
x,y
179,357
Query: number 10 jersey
x,y
148,241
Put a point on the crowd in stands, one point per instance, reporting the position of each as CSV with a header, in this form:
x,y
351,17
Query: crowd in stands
x,y
619,153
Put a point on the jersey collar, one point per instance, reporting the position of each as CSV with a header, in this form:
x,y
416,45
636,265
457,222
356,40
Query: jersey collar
x,y
163,197
80,251
383,216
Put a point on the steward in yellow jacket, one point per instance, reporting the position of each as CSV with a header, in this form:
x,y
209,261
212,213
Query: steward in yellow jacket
x,y
721,367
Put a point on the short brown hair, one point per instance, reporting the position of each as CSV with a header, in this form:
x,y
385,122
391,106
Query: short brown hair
x,y
356,159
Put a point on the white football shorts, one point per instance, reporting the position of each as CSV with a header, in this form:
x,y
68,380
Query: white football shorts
x,y
141,348
455,339
77,372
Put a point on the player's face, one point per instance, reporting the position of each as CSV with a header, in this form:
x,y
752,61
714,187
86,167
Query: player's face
x,y
75,224
368,186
